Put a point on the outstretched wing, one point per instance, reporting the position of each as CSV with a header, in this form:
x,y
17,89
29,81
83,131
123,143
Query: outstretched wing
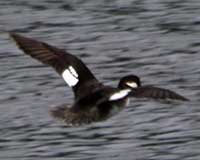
x,y
156,93
72,69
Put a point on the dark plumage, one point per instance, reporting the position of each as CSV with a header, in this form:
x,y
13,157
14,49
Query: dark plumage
x,y
93,100
148,91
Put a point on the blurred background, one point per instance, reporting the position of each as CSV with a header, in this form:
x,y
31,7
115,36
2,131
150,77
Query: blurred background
x,y
156,40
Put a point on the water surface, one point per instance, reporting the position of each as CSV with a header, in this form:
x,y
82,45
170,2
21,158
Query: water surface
x,y
157,40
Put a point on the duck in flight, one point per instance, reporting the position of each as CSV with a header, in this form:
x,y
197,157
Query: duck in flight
x,y
93,101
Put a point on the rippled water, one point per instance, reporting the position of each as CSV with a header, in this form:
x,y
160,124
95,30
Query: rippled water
x,y
157,40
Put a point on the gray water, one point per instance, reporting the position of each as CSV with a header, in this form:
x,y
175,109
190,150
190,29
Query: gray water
x,y
156,40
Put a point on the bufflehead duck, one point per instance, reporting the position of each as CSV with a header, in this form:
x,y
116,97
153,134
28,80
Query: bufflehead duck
x,y
93,100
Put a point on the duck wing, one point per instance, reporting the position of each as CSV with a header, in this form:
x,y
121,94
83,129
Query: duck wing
x,y
156,93
71,68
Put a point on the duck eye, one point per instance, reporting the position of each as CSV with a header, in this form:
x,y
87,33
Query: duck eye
x,y
132,84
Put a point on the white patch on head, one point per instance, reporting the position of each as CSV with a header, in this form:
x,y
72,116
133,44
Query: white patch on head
x,y
70,76
119,95
132,84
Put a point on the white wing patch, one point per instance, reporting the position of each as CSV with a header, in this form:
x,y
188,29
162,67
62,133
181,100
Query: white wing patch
x,y
70,76
132,84
72,70
119,95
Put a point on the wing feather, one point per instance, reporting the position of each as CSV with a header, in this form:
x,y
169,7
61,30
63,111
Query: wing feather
x,y
57,58
156,93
